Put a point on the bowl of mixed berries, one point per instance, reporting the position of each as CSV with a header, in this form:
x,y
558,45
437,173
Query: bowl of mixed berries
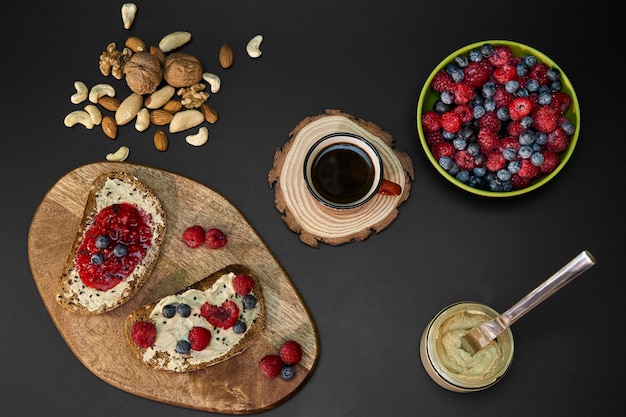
x,y
498,118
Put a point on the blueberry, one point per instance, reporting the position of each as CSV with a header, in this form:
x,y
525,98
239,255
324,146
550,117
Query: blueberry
x,y
521,69
509,154
479,171
475,182
169,311
527,137
486,50
522,92
556,86
447,97
495,185
459,143
287,372
541,138
537,159
183,347
473,148
568,127
544,98
184,310
504,175
97,258
490,104
502,113
488,89
446,162
463,176
462,61
120,250
478,111
530,61
527,122
525,151
507,186
475,55
553,74
102,242
511,86
239,327
532,85
441,107
249,301
514,166
448,135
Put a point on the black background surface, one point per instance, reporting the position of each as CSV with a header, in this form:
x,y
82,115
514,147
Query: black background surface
x,y
370,300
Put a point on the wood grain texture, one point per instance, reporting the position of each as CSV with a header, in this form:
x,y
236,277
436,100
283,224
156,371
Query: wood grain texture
x,y
315,222
235,386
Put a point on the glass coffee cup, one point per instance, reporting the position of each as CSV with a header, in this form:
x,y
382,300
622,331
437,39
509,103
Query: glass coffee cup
x,y
344,170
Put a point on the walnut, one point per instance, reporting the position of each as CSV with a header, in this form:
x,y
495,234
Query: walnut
x,y
112,61
143,73
182,69
192,97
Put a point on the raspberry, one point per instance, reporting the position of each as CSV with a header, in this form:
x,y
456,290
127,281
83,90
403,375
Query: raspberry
x,y
215,238
550,162
520,107
514,129
539,72
442,149
557,141
495,161
194,236
488,140
519,182
560,101
243,284
477,73
463,92
545,119
465,111
143,334
501,55
271,365
434,137
509,142
290,352
528,170
490,122
199,338
223,316
431,121
451,121
441,81
464,160
502,97
504,73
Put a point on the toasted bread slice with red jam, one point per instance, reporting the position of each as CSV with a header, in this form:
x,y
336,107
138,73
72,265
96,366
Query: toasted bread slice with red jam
x,y
116,247
207,323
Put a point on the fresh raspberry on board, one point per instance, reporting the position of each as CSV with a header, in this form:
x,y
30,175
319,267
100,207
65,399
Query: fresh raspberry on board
x,y
290,352
144,334
495,161
502,55
463,92
545,119
488,140
451,121
477,73
215,238
558,141
441,81
199,338
528,170
489,122
464,160
243,284
520,107
431,121
443,149
271,365
550,162
194,236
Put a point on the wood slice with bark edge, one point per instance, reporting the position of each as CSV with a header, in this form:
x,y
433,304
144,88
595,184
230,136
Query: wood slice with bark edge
x,y
315,222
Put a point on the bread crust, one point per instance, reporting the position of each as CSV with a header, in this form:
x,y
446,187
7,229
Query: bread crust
x,y
130,188
161,359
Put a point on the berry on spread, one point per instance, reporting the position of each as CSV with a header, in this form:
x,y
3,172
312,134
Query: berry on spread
x,y
199,338
194,236
215,238
224,316
243,284
144,334
271,365
500,120
290,352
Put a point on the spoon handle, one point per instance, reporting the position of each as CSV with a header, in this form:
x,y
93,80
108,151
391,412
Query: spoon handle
x,y
565,275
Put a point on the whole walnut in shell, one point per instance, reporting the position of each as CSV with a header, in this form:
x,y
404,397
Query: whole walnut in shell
x,y
182,69
143,73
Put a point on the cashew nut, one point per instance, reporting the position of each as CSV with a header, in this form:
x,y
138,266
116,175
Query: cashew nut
x,y
128,109
81,93
78,117
100,90
213,80
161,96
186,119
143,120
253,48
120,155
199,138
129,10
94,113
174,40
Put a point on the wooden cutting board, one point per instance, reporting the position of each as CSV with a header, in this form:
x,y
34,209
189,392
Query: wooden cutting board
x,y
235,386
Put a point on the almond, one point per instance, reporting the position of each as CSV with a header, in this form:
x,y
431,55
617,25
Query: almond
x,y
209,113
136,45
109,103
172,106
160,140
160,117
226,56
109,127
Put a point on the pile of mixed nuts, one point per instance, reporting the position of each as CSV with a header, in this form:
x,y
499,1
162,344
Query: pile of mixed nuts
x,y
167,88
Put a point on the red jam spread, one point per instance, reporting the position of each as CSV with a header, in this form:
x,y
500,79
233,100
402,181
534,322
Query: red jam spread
x,y
114,244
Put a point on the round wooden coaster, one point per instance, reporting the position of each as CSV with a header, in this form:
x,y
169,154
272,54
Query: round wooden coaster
x,y
315,222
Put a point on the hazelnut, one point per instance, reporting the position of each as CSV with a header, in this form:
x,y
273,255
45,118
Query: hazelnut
x,y
182,69
143,73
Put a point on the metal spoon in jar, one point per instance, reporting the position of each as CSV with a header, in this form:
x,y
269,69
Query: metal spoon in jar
x,y
480,336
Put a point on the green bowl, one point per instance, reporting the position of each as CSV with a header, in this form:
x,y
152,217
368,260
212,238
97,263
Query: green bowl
x,y
428,97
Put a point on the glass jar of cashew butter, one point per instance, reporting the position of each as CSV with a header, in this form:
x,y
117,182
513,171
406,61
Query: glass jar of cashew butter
x,y
452,367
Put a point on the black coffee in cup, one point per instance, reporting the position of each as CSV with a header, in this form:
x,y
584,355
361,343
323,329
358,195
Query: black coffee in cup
x,y
342,173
